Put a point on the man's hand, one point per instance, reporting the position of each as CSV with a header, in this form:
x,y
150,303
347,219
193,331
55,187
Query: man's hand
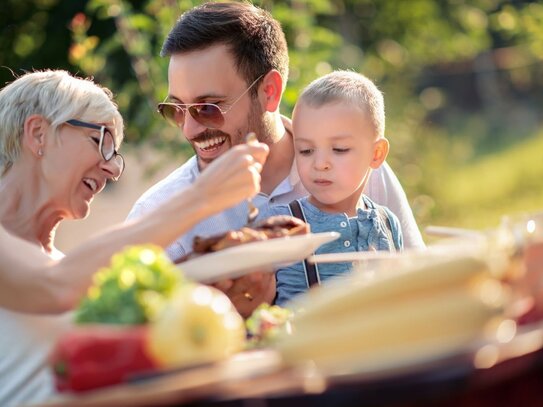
x,y
249,291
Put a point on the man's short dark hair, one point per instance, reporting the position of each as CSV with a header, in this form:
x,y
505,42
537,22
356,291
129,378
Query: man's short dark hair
x,y
254,37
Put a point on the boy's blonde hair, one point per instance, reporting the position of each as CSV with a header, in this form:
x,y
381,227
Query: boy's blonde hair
x,y
57,96
350,87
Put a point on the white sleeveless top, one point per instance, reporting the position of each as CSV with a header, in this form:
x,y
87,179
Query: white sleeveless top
x,y
26,340
25,343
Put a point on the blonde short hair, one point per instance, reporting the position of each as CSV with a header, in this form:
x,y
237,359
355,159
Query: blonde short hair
x,y
350,87
57,96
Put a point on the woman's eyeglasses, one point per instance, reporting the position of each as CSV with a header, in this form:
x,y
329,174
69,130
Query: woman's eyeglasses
x,y
106,144
207,114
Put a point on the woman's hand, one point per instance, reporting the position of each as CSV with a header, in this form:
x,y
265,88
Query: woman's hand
x,y
231,178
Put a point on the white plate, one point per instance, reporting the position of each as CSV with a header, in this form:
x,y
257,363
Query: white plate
x,y
239,260
353,256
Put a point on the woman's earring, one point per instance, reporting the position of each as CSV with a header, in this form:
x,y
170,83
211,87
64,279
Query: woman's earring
x,y
40,152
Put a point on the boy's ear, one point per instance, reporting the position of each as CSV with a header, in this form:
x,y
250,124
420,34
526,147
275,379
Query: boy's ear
x,y
271,90
380,152
34,130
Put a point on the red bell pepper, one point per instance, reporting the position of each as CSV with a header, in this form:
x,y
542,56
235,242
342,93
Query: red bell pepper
x,y
99,355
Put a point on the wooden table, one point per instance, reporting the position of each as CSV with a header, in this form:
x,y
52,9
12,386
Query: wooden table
x,y
511,374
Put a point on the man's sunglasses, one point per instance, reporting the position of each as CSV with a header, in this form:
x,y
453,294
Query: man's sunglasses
x,y
207,114
106,144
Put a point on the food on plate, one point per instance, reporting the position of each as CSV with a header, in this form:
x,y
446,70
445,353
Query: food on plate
x,y
270,228
266,323
142,316
421,312
108,344
198,325
99,355
132,290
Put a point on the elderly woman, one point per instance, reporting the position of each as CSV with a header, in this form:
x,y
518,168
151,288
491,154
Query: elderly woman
x,y
59,144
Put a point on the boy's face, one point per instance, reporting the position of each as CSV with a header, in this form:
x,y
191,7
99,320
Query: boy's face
x,y
335,148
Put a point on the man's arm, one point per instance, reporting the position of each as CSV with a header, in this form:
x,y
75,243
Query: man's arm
x,y
176,250
385,189
179,180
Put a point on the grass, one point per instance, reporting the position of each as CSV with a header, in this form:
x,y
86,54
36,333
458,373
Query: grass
x,y
479,194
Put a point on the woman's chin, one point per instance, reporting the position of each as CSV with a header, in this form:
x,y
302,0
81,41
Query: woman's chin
x,y
84,214
81,211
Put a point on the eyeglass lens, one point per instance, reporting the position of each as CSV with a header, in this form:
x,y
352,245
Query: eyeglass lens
x,y
108,151
108,145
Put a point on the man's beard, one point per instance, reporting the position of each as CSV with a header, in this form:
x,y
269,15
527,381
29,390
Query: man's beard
x,y
256,122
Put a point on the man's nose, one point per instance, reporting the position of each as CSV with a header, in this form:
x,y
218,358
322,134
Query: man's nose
x,y
191,128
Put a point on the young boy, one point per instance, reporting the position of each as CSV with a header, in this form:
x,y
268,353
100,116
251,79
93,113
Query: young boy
x,y
339,123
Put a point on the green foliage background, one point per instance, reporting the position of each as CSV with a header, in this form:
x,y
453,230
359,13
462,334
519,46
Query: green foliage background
x,y
462,79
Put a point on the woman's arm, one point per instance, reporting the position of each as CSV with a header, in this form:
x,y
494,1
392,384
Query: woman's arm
x,y
31,282
25,281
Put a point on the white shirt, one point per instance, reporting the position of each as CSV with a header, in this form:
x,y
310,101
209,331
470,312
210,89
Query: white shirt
x,y
383,188
26,341
25,344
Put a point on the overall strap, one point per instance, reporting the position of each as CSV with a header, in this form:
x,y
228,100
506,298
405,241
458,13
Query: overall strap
x,y
383,216
311,274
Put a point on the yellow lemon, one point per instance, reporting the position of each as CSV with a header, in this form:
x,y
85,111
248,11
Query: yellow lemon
x,y
199,324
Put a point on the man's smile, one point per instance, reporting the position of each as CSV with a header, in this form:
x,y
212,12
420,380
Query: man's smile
x,y
210,144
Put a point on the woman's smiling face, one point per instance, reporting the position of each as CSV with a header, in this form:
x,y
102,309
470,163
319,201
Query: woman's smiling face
x,y
74,170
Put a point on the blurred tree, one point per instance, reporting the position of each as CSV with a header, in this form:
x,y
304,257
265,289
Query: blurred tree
x,y
34,34
461,77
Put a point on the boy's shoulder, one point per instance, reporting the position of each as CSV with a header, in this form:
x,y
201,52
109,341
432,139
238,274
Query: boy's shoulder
x,y
380,208
389,220
285,209
272,210
280,209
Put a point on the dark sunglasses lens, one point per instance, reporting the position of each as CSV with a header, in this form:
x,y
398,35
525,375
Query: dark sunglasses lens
x,y
173,114
207,115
